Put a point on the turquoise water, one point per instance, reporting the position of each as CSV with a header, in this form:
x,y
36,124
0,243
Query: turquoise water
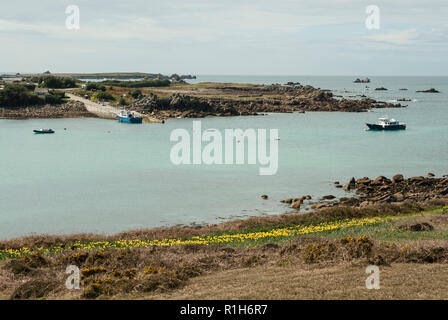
x,y
105,177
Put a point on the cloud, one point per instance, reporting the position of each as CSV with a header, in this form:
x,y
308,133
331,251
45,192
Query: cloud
x,y
233,36
119,29
400,38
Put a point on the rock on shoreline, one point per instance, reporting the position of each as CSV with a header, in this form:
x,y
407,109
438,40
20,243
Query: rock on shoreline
x,y
381,190
396,189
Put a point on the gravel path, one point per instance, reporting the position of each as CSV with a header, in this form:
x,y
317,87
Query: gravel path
x,y
107,111
102,111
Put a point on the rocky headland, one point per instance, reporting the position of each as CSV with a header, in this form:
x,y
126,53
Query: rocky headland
x,y
225,100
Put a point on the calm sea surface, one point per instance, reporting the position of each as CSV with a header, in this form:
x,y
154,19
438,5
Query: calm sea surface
x,y
105,177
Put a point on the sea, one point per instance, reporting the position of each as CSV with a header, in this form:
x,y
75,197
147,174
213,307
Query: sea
x,y
101,176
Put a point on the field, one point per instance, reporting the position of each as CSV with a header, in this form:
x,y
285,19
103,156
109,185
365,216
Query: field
x,y
320,255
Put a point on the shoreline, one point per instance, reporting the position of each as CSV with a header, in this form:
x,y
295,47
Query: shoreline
x,y
362,193
168,263
70,109
202,100
391,238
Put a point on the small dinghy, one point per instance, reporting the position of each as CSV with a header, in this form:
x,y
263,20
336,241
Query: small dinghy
x,y
43,131
386,124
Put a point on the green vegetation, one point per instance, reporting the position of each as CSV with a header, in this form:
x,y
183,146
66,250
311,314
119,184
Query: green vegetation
x,y
18,95
159,262
389,230
54,97
137,84
122,101
116,75
385,227
95,86
136,93
104,95
56,82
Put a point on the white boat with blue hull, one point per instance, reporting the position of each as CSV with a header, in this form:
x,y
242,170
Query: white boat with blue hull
x,y
128,117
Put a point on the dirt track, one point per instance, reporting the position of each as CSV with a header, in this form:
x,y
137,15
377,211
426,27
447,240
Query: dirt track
x,y
106,111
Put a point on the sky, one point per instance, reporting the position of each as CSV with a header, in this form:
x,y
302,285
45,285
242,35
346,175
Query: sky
x,y
228,37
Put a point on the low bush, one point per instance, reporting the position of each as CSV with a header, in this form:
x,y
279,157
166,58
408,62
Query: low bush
x,y
137,84
104,95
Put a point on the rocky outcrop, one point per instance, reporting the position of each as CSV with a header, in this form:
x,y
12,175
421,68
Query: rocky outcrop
x,y
70,109
366,80
296,203
432,90
380,190
398,189
252,100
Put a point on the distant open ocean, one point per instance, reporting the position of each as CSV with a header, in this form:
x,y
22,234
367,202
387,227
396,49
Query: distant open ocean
x,y
104,177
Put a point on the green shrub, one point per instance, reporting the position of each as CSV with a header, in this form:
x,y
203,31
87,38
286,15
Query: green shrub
x,y
137,84
122,101
30,86
136,93
54,97
56,82
16,95
104,95
95,86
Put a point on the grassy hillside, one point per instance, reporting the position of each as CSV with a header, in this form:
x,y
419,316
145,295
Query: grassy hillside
x,y
290,256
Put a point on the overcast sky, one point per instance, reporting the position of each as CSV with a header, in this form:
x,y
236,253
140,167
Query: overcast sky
x,y
266,37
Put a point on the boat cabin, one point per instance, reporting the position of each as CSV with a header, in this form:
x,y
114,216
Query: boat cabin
x,y
387,122
126,114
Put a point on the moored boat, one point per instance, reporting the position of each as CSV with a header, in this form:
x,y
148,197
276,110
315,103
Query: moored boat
x,y
386,124
128,117
43,131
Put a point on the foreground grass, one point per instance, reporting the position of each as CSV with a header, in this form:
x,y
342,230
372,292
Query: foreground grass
x,y
402,281
388,228
380,228
248,238
323,256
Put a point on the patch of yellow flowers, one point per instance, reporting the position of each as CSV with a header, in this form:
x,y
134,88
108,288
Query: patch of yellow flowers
x,y
203,240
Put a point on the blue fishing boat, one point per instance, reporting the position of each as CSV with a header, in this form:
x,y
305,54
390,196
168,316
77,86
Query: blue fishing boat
x,y
128,117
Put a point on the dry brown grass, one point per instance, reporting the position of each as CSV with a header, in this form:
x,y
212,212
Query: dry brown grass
x,y
342,281
293,270
305,267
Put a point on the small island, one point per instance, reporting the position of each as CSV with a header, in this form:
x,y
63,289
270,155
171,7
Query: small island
x,y
365,80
